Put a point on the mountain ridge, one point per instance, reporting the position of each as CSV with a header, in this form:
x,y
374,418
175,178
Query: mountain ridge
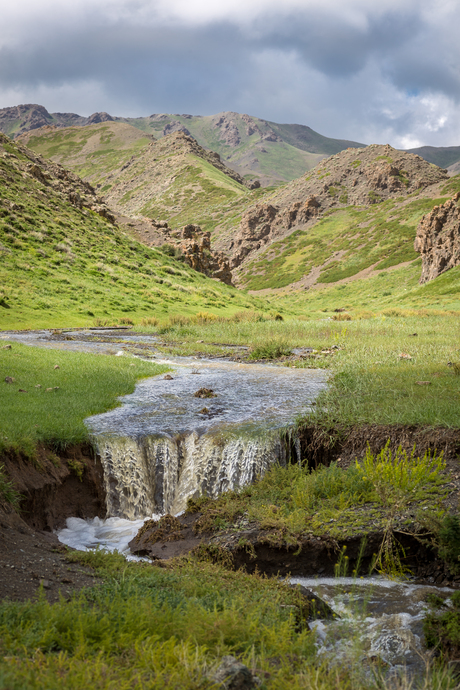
x,y
251,146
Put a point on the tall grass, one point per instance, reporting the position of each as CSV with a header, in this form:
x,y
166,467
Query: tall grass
x,y
149,627
381,372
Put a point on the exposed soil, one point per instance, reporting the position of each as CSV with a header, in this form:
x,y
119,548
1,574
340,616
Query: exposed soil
x,y
33,561
54,487
251,548
30,554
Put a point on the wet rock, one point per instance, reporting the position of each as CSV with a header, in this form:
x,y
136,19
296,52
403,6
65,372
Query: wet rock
x,y
311,606
233,675
205,393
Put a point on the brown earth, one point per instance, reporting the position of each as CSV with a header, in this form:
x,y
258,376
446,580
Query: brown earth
x,y
246,545
31,557
438,239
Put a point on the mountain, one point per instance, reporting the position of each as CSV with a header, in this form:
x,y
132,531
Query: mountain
x,y
65,262
444,156
172,180
253,147
355,212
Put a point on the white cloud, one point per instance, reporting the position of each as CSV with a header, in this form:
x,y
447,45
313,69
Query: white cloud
x,y
383,72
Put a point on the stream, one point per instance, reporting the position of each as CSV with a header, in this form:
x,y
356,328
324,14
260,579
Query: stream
x,y
164,445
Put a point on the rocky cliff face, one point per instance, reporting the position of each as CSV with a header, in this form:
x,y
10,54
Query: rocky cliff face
x,y
195,246
23,118
438,239
353,177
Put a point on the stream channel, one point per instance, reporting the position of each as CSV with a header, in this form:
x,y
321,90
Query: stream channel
x,y
164,445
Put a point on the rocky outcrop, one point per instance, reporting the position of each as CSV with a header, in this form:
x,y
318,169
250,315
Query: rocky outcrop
x,y
357,177
78,192
228,131
175,126
438,239
263,223
195,245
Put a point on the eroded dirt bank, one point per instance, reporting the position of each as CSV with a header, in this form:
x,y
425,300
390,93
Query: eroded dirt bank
x,y
57,486
321,446
53,487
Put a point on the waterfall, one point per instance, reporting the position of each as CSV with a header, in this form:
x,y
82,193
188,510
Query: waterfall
x,y
165,444
157,474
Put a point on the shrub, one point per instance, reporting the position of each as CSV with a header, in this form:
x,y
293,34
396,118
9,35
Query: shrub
x,y
399,478
449,539
272,350
149,321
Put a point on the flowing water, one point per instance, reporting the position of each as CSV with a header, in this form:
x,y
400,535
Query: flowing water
x,y
164,444
381,621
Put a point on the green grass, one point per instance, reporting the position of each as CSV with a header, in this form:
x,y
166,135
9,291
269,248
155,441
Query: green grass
x,y
380,236
62,266
148,627
86,384
293,502
370,382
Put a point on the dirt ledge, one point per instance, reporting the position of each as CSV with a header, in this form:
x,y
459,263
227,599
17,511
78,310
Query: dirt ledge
x,y
57,486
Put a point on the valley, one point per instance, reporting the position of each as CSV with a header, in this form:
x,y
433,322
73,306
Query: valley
x,y
141,258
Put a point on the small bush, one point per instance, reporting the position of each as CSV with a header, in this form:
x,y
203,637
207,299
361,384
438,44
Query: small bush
x,y
399,478
149,321
449,540
272,350
341,317
205,317
126,321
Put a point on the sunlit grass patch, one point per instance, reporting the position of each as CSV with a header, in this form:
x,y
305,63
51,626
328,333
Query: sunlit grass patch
x,y
60,389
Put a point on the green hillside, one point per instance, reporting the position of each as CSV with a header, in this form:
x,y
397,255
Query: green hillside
x,y
444,156
61,265
252,146
95,149
173,179
356,258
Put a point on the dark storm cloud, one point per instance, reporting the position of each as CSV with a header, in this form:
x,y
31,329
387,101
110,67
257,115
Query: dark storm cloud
x,y
345,68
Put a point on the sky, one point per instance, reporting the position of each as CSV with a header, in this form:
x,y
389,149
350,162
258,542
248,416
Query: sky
x,y
368,71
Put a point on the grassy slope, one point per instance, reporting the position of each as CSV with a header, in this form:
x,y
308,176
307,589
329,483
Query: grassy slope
x,y
444,156
284,160
349,241
92,150
160,182
63,266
